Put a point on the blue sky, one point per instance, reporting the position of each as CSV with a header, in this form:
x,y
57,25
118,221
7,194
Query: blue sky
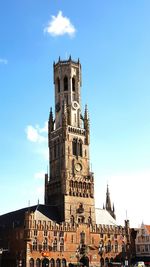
x,y
112,40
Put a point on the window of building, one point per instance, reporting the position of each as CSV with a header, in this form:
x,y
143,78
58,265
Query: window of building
x,y
72,238
31,263
73,84
52,263
82,237
116,246
65,83
62,244
34,246
74,147
58,85
35,232
58,263
55,245
45,244
80,148
45,233
38,262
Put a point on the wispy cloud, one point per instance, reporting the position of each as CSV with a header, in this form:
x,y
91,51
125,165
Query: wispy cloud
x,y
36,134
60,25
3,61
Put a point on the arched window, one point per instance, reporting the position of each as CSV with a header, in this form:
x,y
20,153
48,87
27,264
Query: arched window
x,y
65,83
109,246
72,219
35,244
74,147
116,246
58,263
82,237
55,245
58,85
62,244
38,263
63,262
45,244
89,220
52,263
73,84
31,262
80,148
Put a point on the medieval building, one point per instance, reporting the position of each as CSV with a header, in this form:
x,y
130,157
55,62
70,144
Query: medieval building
x,y
67,230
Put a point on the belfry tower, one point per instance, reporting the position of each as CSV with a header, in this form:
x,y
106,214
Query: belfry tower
x,y
70,184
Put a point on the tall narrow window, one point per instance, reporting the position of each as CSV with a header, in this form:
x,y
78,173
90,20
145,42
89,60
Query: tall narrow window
x,y
58,85
65,83
74,147
73,84
80,148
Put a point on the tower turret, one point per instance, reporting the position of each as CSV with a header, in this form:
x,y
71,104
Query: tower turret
x,y
70,185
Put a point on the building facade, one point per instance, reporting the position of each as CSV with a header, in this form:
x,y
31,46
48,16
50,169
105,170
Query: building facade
x,y
67,230
142,243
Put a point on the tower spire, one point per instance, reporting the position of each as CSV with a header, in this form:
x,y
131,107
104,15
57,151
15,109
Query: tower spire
x,y
108,207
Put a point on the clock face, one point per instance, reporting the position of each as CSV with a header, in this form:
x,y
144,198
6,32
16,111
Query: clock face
x,y
75,105
78,167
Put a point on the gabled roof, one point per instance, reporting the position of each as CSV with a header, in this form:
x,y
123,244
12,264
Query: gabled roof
x,y
104,217
16,218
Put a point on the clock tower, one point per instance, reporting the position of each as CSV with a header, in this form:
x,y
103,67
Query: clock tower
x,y
70,184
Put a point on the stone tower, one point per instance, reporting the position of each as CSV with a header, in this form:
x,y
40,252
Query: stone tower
x,y
70,184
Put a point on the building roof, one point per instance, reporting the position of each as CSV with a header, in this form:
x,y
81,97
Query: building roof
x,y
104,217
16,218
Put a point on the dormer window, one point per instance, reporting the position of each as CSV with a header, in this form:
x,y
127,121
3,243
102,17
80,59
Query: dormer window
x,y
65,83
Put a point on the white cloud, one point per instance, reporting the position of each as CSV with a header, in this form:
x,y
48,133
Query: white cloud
x,y
36,134
3,61
60,25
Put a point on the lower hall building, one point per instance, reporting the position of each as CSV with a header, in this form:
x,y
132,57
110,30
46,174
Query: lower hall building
x,y
67,230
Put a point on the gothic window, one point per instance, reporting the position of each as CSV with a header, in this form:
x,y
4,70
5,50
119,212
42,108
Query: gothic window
x,y
80,148
63,262
45,233
72,219
109,246
62,244
74,147
52,263
58,263
73,84
58,85
65,83
89,220
31,263
45,245
82,237
116,246
38,262
35,244
55,245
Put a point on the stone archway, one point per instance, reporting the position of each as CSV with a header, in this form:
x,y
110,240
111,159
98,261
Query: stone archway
x,y
85,261
45,262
